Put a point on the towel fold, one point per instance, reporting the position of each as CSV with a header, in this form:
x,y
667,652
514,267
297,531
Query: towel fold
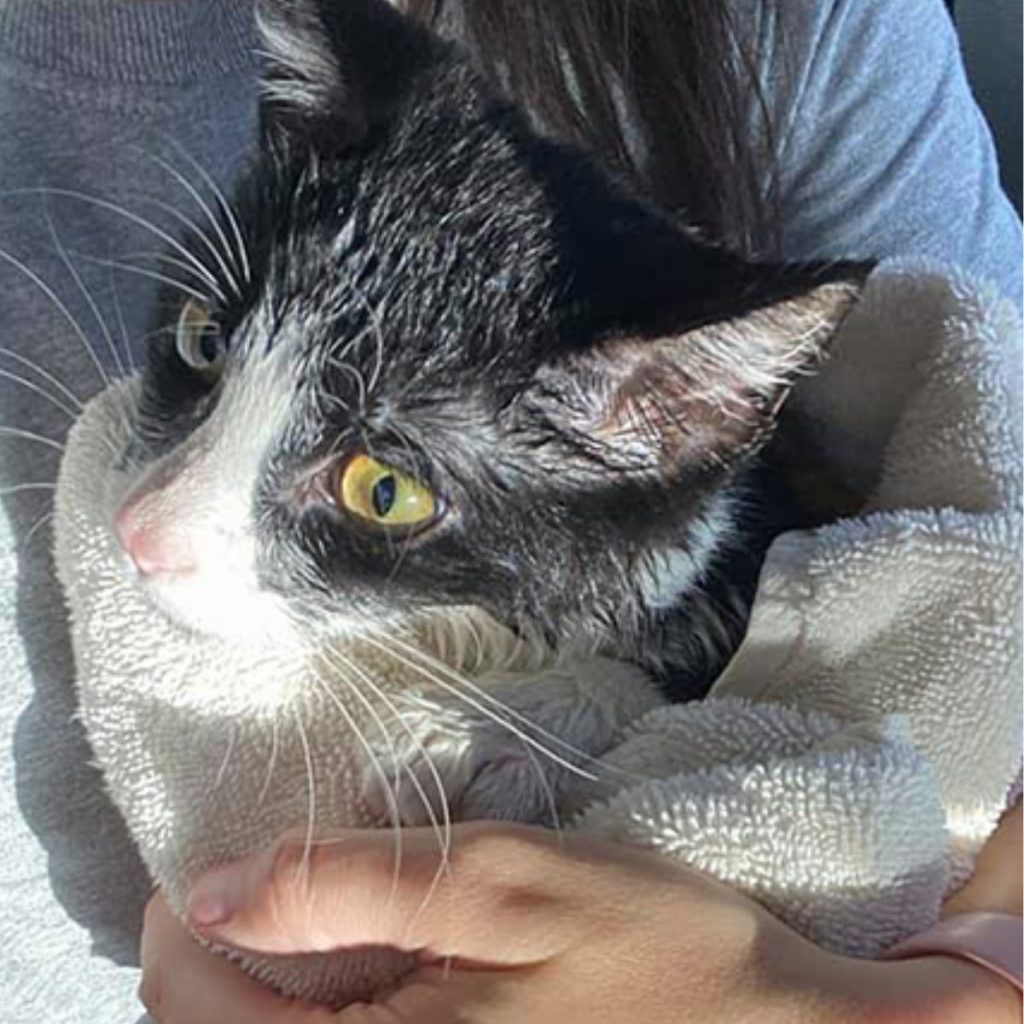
x,y
862,743
844,770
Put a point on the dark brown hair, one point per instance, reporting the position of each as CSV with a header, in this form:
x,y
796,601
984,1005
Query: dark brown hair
x,y
663,92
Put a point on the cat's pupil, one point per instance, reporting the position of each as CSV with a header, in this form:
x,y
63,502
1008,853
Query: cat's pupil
x,y
383,496
209,346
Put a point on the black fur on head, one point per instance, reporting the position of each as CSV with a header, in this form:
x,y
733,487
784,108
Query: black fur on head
x,y
577,376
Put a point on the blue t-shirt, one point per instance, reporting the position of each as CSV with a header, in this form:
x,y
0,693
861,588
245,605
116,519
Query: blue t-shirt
x,y
883,149
883,153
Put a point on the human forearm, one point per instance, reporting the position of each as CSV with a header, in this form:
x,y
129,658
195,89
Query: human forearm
x,y
541,931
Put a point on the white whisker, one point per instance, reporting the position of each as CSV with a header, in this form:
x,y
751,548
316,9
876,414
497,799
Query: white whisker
x,y
478,706
7,375
122,327
311,789
390,793
442,830
34,529
445,839
61,307
265,788
27,487
458,679
131,268
94,309
28,435
381,726
549,792
121,211
155,333
229,212
86,294
36,368
222,770
218,254
173,261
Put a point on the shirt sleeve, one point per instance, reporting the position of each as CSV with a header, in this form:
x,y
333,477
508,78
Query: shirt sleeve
x,y
883,150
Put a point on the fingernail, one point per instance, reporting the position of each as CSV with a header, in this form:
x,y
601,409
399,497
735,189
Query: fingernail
x,y
215,897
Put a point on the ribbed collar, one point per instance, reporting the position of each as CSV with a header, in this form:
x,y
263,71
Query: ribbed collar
x,y
130,41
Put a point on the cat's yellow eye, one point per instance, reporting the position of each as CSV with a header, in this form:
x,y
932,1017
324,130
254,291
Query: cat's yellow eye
x,y
383,495
199,341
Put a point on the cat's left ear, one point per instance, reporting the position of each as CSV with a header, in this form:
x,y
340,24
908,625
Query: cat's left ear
x,y
342,64
697,400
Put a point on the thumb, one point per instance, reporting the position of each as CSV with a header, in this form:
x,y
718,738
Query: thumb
x,y
350,889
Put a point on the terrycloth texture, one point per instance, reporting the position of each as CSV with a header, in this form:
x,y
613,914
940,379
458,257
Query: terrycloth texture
x,y
880,154
212,747
844,771
860,746
835,826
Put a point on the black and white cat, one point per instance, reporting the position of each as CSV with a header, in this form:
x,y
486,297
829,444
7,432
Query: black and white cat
x,y
446,443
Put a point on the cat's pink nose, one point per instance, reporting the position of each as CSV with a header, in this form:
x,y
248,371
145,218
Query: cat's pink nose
x,y
154,549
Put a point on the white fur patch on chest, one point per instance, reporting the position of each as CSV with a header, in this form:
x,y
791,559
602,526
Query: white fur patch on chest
x,y
671,572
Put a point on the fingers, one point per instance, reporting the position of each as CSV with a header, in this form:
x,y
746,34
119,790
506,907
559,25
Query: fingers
x,y
183,983
485,901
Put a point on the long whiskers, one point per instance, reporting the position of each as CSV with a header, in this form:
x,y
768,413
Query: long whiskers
x,y
222,255
311,790
155,275
94,309
271,764
29,435
121,211
42,392
459,679
46,375
27,488
381,726
544,782
444,840
477,705
389,789
443,829
222,770
86,294
229,212
122,327
62,309
549,792
25,541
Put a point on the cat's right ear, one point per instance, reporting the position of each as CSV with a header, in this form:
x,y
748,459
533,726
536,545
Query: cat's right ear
x,y
698,399
340,64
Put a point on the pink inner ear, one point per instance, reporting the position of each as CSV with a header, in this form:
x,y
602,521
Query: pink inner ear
x,y
682,420
710,395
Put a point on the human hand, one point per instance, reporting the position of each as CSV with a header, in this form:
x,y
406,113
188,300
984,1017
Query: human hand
x,y
525,928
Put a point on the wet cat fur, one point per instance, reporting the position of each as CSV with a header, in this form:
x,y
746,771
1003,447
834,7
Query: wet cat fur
x,y
580,378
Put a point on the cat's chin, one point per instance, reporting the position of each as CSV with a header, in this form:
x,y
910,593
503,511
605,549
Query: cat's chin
x,y
224,610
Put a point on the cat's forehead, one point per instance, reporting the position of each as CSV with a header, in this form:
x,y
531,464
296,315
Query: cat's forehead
x,y
423,240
